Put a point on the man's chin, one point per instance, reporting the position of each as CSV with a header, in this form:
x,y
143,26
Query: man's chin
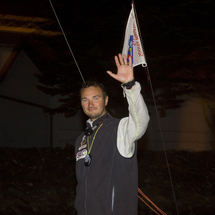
x,y
93,116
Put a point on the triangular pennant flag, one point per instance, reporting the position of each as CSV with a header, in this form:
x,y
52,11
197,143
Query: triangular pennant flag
x,y
132,43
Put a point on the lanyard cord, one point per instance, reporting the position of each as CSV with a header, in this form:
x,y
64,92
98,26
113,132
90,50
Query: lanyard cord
x,y
89,149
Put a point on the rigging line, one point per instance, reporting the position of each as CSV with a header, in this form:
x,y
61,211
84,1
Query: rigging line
x,y
162,140
159,124
66,40
150,201
148,205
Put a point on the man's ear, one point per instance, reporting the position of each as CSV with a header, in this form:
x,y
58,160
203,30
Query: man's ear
x,y
106,101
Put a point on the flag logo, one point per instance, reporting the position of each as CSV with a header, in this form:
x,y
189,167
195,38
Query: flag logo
x,y
130,49
132,43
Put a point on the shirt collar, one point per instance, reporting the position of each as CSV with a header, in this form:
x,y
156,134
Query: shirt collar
x,y
97,121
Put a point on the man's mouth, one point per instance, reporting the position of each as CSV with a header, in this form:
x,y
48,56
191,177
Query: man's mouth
x,y
91,109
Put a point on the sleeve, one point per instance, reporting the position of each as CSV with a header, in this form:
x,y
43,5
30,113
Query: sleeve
x,y
133,127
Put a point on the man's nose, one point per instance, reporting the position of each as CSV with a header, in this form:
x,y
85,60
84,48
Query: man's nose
x,y
90,102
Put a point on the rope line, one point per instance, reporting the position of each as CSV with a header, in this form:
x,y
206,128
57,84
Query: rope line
x,y
148,205
162,140
159,124
66,40
141,193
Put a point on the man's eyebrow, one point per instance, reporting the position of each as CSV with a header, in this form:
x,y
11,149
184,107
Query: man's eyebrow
x,y
92,96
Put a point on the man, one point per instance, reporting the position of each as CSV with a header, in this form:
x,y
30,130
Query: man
x,y
106,163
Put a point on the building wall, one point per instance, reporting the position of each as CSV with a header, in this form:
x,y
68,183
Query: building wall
x,y
181,129
66,130
22,125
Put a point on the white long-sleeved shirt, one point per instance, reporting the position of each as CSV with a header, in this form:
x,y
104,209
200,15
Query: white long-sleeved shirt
x,y
133,127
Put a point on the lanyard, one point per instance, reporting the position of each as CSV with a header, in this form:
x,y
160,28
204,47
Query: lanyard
x,y
88,144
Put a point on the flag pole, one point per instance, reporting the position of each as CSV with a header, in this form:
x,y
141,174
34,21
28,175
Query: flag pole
x,y
138,26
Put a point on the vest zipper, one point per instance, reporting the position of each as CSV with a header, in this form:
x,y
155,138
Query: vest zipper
x,y
113,194
85,204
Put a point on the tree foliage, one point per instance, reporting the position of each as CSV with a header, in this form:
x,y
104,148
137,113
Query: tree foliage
x,y
182,54
178,39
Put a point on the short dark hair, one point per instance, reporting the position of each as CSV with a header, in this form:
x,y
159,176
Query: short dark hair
x,y
93,83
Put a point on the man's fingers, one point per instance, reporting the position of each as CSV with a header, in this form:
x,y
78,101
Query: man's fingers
x,y
121,59
124,58
116,61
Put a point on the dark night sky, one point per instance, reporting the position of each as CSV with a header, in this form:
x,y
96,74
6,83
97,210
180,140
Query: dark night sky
x,y
88,24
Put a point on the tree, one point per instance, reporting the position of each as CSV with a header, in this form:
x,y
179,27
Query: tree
x,y
183,55
178,38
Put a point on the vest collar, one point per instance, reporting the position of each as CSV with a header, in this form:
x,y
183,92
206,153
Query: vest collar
x,y
91,124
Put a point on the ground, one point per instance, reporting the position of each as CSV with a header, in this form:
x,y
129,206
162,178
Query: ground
x,y
42,181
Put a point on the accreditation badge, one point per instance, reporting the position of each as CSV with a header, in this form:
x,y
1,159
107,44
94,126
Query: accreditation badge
x,y
81,154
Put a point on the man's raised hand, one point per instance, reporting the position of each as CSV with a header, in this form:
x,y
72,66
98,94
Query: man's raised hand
x,y
124,70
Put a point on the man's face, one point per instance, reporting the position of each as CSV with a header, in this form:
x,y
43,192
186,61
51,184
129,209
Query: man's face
x,y
93,102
